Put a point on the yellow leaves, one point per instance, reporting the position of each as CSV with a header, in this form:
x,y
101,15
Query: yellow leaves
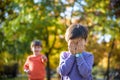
x,y
5,57
57,43
89,21
54,61
28,10
117,44
103,62
71,1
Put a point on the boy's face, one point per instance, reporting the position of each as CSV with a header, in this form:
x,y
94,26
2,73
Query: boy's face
x,y
36,49
76,45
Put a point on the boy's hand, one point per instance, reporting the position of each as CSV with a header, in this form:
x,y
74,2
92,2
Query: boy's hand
x,y
27,71
76,45
72,47
44,58
80,46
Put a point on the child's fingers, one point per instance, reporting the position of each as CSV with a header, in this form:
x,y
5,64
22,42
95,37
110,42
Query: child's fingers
x,y
72,47
44,58
80,47
28,72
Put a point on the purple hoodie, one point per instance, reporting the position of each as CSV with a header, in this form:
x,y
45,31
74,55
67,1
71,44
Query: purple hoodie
x,y
76,68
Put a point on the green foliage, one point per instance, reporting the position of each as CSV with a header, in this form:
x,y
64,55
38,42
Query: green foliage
x,y
27,20
98,72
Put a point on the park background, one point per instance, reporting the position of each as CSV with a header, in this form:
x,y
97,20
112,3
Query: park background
x,y
22,21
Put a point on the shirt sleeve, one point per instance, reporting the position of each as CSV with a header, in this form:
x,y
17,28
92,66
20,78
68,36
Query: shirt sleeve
x,y
26,65
85,65
66,63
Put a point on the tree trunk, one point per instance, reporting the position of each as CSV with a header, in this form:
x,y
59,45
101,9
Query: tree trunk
x,y
48,67
109,56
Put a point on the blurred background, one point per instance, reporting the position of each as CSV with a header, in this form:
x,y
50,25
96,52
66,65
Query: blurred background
x,y
22,21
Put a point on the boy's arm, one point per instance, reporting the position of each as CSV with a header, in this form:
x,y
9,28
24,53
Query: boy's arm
x,y
85,66
26,66
66,63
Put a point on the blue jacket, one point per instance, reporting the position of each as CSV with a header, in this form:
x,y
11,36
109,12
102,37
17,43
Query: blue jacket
x,y
76,68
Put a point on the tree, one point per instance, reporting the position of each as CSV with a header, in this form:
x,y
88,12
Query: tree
x,y
47,20
34,21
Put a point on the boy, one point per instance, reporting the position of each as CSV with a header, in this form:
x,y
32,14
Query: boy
x,y
76,64
34,64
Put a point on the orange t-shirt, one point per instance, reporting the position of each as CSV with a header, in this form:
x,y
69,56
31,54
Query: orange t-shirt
x,y
36,66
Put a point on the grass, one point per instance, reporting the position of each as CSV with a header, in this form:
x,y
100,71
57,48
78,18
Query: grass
x,y
23,77
16,78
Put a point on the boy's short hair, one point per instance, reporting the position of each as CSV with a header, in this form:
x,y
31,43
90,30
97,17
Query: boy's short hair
x,y
76,31
36,43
